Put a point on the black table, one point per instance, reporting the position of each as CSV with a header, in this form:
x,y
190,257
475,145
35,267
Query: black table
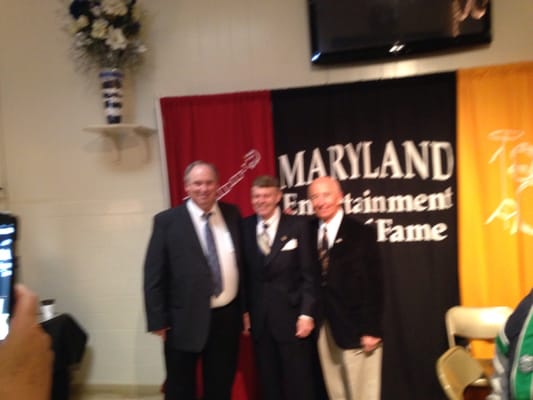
x,y
68,343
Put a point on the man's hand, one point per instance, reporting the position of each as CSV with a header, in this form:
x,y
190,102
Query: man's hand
x,y
304,326
246,325
370,343
25,355
162,333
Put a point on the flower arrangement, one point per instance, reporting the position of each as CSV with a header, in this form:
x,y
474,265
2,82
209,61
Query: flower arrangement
x,y
106,33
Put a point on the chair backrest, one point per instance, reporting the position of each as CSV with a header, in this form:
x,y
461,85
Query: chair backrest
x,y
456,369
475,322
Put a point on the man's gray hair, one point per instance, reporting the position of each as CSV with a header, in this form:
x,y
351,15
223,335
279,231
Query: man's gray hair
x,y
197,163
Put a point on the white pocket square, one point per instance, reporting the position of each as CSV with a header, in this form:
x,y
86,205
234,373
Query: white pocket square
x,y
290,245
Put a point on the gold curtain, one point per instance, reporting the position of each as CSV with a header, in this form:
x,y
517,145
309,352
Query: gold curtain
x,y
495,183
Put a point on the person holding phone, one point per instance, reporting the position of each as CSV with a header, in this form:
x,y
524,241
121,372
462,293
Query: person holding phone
x,y
26,357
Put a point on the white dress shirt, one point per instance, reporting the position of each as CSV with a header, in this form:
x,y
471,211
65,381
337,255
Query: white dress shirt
x,y
225,250
332,228
272,224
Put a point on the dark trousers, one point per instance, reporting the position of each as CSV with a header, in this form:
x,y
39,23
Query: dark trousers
x,y
219,360
285,368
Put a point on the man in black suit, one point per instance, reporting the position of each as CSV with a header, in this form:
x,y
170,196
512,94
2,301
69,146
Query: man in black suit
x,y
349,343
281,272
191,287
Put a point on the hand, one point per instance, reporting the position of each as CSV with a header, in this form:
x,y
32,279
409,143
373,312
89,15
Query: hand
x,y
370,343
25,355
246,325
304,326
162,333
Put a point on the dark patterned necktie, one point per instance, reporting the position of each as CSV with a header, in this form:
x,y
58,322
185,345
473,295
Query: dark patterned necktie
x,y
263,240
212,256
323,251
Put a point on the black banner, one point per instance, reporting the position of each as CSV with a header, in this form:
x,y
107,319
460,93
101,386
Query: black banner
x,y
391,144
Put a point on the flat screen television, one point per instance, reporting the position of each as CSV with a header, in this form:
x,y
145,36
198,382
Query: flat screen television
x,y
354,30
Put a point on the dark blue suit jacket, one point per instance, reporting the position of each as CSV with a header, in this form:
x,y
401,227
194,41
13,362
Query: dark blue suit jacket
x,y
177,278
282,285
352,291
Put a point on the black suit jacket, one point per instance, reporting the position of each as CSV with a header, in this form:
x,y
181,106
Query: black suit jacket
x,y
283,285
352,290
177,278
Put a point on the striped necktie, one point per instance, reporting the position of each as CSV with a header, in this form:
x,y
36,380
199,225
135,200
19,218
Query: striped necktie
x,y
212,256
323,251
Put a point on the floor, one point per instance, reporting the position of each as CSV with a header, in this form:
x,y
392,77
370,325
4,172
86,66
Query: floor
x,y
105,394
115,396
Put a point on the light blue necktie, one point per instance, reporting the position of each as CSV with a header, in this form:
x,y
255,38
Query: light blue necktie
x,y
212,256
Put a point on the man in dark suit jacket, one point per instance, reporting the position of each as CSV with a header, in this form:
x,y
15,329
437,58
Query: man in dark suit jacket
x,y
191,292
349,343
281,272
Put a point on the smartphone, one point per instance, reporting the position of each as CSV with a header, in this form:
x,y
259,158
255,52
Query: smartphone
x,y
8,259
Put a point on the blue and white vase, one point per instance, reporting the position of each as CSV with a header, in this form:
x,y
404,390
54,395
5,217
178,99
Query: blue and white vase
x,y
111,84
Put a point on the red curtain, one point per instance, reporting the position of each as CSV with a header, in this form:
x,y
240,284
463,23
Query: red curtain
x,y
234,132
230,130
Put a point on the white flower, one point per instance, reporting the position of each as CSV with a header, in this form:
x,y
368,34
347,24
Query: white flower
x,y
136,13
82,22
114,7
116,39
140,48
99,29
81,40
96,11
78,24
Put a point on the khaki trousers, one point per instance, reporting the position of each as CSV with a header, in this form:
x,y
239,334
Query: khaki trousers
x,y
349,374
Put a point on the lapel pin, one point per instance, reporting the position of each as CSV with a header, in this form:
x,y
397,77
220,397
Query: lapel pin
x,y
338,240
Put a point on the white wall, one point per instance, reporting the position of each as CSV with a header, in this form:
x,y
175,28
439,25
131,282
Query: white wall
x,y
85,218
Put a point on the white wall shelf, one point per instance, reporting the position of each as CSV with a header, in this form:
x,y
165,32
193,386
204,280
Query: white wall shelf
x,y
120,129
117,133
